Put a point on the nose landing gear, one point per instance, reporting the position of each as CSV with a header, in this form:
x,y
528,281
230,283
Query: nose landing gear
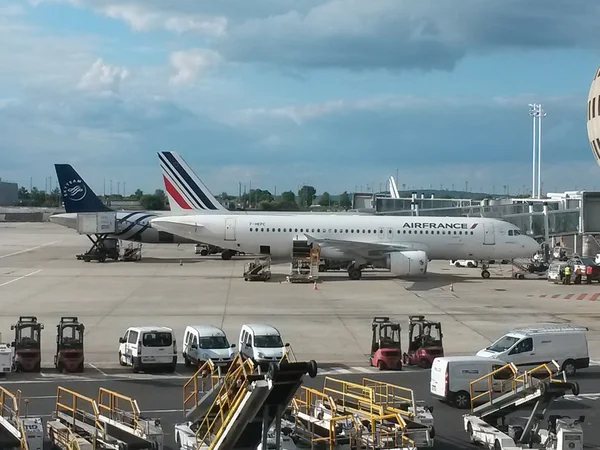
x,y
485,273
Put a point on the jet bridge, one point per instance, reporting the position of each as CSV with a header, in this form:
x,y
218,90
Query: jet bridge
x,y
80,422
16,432
536,389
236,410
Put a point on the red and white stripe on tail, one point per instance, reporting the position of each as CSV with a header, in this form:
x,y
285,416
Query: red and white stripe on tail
x,y
185,190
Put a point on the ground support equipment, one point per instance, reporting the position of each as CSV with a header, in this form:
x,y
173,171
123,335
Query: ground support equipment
x,y
386,408
18,432
304,265
236,410
133,252
102,248
258,270
80,423
536,389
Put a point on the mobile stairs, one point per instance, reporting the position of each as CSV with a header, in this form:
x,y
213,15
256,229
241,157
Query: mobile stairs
x,y
236,410
305,261
82,423
535,389
17,432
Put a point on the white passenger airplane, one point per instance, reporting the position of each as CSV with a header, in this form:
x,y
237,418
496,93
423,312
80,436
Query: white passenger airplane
x,y
404,245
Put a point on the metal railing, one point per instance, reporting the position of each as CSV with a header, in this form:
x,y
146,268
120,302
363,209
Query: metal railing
x,y
228,399
500,385
9,410
74,408
393,397
108,406
288,355
205,379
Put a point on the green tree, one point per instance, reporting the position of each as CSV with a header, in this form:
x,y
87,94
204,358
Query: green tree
x,y
23,193
306,195
138,194
287,197
152,202
256,196
325,199
161,194
345,201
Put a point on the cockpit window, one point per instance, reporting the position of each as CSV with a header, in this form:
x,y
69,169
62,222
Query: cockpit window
x,y
514,233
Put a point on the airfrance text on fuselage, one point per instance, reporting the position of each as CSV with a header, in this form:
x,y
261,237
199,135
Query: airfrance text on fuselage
x,y
456,226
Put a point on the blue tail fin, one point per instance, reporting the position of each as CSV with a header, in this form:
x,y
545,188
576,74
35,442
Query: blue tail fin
x,y
77,196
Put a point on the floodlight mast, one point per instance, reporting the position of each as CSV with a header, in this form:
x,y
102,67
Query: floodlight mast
x,y
532,113
541,114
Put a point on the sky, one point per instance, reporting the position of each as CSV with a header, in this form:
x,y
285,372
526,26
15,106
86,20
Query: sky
x,y
338,94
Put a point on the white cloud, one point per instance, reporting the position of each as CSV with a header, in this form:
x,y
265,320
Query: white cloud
x,y
189,64
102,77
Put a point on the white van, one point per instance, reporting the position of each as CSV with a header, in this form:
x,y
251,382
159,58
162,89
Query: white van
x,y
148,348
204,342
529,347
451,377
261,343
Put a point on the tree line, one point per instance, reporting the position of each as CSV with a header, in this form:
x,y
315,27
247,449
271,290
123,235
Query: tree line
x,y
254,199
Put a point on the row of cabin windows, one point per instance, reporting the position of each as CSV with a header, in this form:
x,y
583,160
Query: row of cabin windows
x,y
390,232
593,109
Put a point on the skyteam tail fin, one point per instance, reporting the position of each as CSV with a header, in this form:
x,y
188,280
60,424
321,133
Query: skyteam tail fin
x,y
185,190
77,196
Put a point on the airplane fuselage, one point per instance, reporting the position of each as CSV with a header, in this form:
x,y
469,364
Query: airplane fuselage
x,y
440,238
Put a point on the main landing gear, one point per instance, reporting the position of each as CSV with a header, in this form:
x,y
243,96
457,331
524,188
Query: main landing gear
x,y
355,272
226,255
485,273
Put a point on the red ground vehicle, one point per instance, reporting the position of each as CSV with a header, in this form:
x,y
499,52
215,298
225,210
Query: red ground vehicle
x,y
27,355
425,342
69,345
386,352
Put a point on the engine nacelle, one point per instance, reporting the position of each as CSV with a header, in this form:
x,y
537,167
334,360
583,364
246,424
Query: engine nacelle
x,y
408,263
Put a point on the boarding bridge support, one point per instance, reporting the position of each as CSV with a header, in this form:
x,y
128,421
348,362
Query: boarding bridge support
x,y
245,404
16,432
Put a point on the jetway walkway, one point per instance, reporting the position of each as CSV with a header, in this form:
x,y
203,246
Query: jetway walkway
x,y
12,431
235,410
83,423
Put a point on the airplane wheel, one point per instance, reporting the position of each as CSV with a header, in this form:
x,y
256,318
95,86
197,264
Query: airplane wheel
x,y
354,273
485,274
226,255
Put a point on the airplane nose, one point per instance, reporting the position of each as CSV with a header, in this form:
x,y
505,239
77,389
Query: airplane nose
x,y
532,245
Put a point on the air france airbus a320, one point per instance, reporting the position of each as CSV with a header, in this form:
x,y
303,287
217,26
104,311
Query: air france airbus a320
x,y
404,245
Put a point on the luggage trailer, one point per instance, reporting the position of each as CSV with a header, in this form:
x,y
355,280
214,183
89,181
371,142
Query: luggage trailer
x,y
535,389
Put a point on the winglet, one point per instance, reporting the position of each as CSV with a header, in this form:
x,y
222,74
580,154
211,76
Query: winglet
x,y
77,196
185,190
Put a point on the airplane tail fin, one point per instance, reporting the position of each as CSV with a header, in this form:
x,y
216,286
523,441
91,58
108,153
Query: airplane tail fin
x,y
77,196
185,190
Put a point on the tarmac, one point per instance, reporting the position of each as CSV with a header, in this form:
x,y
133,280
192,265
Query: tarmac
x,y
39,275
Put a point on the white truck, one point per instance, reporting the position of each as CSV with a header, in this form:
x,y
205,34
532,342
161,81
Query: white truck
x,y
5,357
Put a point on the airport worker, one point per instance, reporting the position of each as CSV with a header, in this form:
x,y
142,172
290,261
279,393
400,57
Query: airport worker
x,y
568,275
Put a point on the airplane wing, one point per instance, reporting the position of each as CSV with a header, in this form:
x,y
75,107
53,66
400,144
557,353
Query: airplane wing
x,y
363,249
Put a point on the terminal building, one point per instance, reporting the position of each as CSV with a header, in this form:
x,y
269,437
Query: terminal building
x,y
9,193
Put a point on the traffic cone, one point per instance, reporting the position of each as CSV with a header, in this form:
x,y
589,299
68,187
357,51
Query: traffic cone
x,y
315,286
451,287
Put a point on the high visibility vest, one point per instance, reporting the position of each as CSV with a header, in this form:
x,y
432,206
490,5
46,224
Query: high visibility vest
x,y
567,270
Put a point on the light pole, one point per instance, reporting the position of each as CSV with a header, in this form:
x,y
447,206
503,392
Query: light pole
x,y
541,114
533,114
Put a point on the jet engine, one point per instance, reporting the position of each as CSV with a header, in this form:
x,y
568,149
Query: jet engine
x,y
408,263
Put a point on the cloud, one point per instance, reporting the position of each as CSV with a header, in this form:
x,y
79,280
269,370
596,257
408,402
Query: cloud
x,y
102,77
189,64
358,34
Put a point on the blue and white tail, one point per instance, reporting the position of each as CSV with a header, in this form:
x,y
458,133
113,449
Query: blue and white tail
x,y
77,196
185,190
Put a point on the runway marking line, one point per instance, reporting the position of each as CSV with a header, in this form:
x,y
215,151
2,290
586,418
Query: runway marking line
x,y
20,278
28,249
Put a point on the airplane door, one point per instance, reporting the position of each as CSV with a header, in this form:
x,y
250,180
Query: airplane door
x,y
230,229
488,234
